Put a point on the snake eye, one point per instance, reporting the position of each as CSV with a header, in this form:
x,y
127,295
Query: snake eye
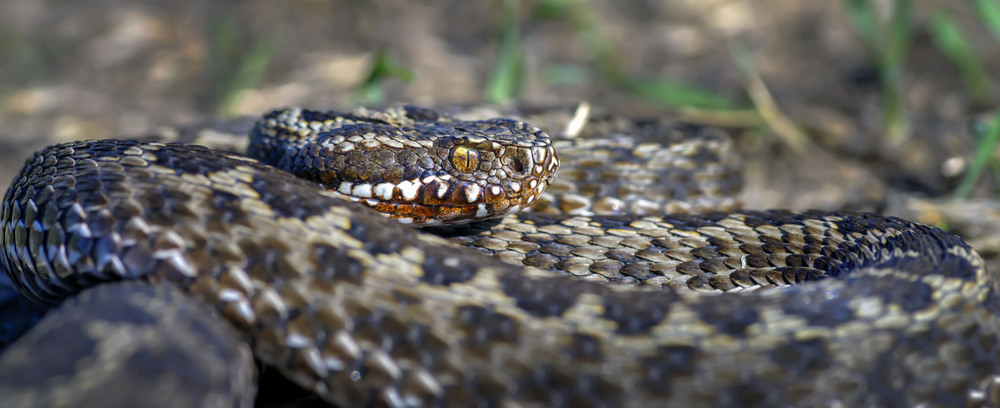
x,y
464,158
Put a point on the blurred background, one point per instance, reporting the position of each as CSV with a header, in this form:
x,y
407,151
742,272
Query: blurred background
x,y
875,105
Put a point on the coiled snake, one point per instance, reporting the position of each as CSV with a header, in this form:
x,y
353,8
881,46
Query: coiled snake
x,y
365,311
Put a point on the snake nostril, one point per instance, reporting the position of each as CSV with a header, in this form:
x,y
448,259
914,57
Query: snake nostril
x,y
520,163
517,165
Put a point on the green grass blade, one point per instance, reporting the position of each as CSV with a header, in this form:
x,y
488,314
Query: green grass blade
x,y
957,48
887,39
608,65
989,12
988,137
231,68
865,22
384,67
893,68
505,80
676,94
249,72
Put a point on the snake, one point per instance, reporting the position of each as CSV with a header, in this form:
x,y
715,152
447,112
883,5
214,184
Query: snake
x,y
170,268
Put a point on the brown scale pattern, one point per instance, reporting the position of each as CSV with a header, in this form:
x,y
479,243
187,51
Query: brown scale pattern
x,y
651,251
363,311
618,165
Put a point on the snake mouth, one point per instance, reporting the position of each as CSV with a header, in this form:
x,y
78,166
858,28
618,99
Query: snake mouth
x,y
450,199
442,200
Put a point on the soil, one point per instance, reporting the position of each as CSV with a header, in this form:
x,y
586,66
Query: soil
x,y
112,68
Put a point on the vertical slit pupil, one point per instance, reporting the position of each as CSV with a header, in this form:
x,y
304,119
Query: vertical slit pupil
x,y
465,159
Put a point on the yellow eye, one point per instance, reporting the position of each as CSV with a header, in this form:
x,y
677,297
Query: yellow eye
x,y
464,158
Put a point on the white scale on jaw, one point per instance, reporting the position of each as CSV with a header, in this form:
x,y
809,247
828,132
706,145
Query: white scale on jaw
x,y
345,188
408,189
442,184
442,190
472,192
384,190
363,190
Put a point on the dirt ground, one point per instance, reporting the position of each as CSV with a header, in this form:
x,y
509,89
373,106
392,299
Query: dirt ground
x,y
98,69
111,68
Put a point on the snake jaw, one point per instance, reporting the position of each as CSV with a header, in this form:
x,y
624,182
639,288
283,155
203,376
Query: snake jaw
x,y
458,195
409,166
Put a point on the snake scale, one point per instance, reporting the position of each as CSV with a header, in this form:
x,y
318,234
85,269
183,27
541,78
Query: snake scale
x,y
178,260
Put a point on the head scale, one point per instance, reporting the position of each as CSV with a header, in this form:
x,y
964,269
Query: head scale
x,y
411,164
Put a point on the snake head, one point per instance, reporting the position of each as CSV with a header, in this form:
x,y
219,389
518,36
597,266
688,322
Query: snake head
x,y
412,164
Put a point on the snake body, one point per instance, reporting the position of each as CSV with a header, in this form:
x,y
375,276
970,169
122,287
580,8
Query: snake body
x,y
824,308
